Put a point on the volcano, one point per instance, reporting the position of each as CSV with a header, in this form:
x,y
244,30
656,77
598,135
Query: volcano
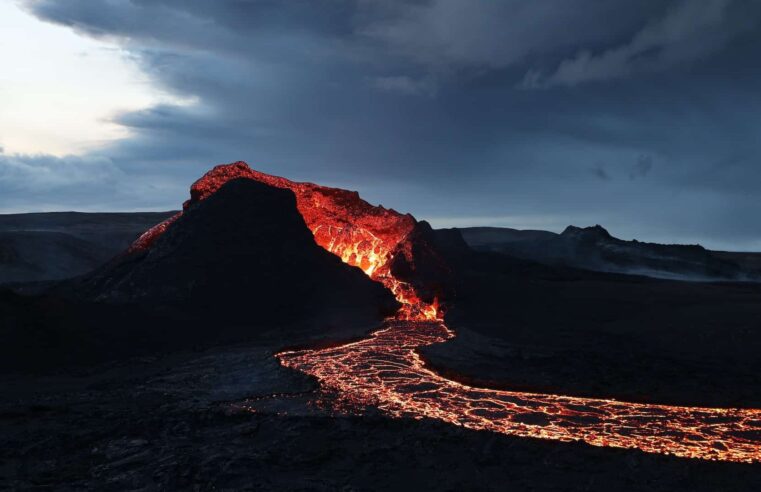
x,y
238,264
244,245
391,248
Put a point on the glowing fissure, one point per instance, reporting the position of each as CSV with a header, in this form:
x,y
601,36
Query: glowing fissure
x,y
387,371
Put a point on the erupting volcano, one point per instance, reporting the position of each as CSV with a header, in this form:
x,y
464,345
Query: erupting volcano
x,y
362,235
387,371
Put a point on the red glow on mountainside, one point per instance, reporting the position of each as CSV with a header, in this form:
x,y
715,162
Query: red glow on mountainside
x,y
386,370
361,234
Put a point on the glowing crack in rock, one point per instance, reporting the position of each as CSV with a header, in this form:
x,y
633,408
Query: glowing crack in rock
x,y
387,370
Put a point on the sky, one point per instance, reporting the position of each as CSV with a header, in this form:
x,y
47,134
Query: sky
x,y
643,116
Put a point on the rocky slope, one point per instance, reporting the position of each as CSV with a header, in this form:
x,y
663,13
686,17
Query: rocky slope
x,y
245,245
391,248
594,248
238,266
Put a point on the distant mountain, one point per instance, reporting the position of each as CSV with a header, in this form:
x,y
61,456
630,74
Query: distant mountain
x,y
594,248
59,245
487,236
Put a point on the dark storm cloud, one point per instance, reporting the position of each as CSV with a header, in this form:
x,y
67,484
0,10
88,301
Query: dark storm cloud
x,y
487,112
642,167
688,30
600,173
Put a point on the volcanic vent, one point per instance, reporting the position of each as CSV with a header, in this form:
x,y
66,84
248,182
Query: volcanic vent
x,y
388,246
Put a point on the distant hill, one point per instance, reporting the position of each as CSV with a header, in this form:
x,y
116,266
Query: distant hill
x,y
58,245
594,248
487,236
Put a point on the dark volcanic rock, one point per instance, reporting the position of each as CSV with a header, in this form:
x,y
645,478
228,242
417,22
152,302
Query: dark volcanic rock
x,y
523,325
244,246
180,423
239,266
420,260
450,243
381,241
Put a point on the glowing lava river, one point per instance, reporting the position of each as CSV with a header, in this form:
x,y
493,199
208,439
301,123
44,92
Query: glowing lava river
x,y
385,370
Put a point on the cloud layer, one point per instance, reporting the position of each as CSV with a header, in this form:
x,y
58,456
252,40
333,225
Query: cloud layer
x,y
687,32
642,116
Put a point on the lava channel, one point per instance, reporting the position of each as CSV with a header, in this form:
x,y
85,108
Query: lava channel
x,y
386,368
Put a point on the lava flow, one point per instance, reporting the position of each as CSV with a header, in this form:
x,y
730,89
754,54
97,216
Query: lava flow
x,y
361,234
387,371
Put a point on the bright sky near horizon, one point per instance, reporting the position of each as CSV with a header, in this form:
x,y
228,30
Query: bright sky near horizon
x,y
59,90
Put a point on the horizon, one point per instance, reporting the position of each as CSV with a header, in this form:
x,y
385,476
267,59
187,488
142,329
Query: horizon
x,y
434,225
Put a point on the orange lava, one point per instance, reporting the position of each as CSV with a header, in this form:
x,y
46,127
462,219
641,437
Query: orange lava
x,y
387,371
361,234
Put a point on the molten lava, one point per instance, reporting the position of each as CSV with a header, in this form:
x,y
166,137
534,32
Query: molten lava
x,y
361,234
386,369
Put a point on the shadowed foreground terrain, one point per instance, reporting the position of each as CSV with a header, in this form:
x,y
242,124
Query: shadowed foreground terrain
x,y
157,370
183,422
526,326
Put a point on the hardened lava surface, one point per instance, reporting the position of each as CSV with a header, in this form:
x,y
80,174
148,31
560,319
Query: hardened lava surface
x,y
386,370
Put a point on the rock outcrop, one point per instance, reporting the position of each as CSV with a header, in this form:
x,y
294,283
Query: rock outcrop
x,y
243,252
